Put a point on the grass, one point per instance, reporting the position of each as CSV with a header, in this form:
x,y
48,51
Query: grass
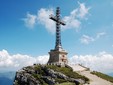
x,y
38,76
60,80
103,76
66,83
65,70
39,71
38,68
68,72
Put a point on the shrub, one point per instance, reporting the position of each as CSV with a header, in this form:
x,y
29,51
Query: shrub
x,y
66,83
68,72
60,80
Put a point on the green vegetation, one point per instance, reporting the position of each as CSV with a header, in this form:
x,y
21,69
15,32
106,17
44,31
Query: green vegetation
x,y
16,83
68,72
40,73
44,75
103,76
38,76
65,70
66,83
60,80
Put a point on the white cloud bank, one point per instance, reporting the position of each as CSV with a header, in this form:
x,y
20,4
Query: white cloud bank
x,y
14,62
101,62
73,21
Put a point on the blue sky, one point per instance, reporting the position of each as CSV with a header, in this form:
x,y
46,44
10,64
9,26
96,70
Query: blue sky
x,y
25,29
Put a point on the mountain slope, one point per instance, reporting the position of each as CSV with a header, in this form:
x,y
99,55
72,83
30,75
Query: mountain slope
x,y
48,75
7,78
95,80
56,75
110,74
5,81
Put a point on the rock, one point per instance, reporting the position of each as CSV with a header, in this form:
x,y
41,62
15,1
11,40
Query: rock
x,y
77,81
49,80
61,75
51,73
42,75
23,78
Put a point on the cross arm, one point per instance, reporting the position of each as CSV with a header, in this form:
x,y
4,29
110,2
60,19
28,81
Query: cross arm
x,y
56,20
62,22
53,18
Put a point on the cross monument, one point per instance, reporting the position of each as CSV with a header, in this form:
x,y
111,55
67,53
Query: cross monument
x,y
58,55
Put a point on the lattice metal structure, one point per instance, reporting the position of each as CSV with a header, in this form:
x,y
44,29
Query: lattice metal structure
x,y
59,22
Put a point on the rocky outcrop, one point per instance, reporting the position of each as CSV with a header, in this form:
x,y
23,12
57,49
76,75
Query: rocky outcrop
x,y
42,75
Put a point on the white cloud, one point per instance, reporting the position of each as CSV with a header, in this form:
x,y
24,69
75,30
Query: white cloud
x,y
73,21
30,20
43,18
100,34
85,39
83,10
102,62
15,62
112,45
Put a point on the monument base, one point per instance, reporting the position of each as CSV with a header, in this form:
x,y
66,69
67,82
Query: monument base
x,y
58,57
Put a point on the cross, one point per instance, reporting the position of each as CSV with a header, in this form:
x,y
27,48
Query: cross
x,y
58,31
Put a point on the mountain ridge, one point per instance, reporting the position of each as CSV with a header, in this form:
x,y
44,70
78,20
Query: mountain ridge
x,y
48,75
7,78
57,75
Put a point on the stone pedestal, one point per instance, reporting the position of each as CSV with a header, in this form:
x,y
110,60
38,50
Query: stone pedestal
x,y
58,57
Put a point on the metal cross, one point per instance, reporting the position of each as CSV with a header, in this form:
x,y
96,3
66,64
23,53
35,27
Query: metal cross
x,y
58,30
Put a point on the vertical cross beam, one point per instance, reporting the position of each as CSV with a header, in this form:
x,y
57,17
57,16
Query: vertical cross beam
x,y
58,30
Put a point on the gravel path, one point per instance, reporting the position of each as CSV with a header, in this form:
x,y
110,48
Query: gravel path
x,y
77,67
94,80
